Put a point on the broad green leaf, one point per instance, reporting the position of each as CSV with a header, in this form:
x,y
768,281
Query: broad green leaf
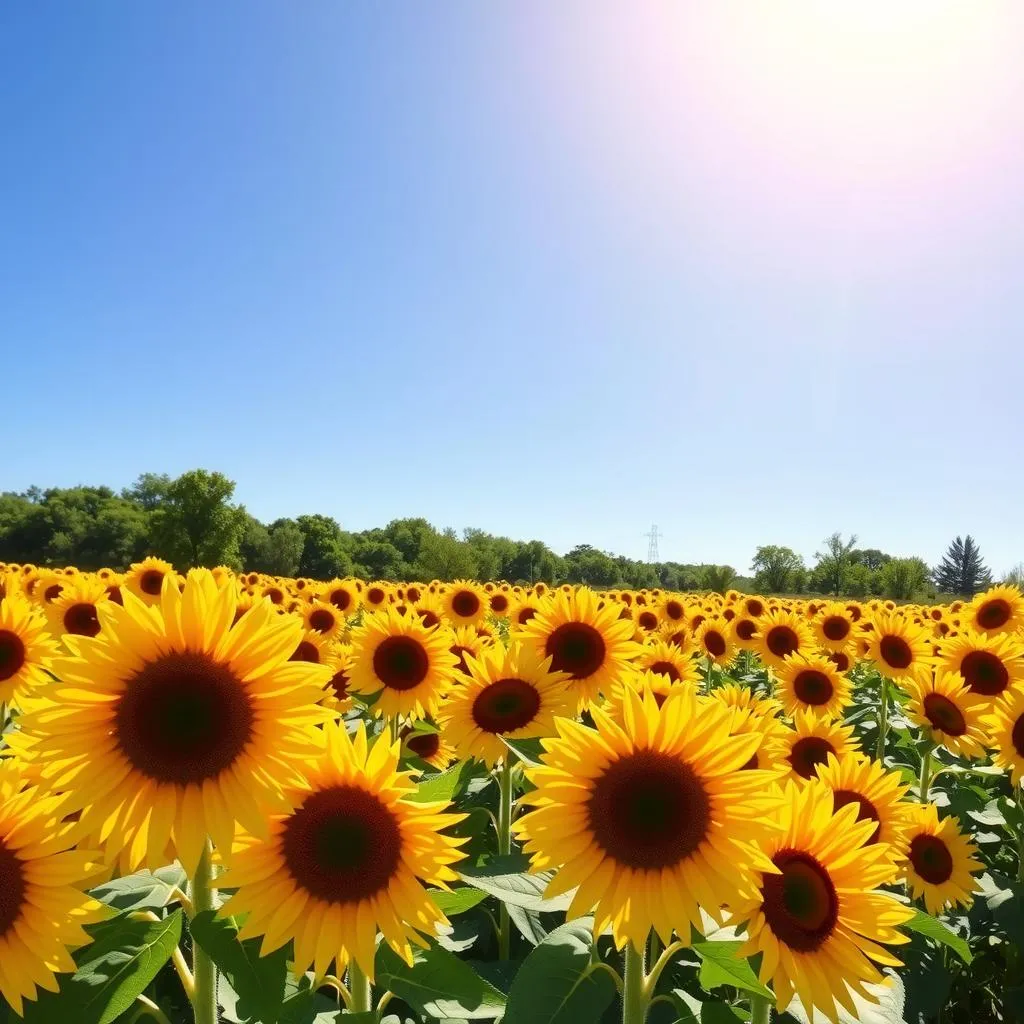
x,y
144,890
506,878
438,984
303,1004
721,966
933,928
257,981
444,785
124,957
557,982
991,815
716,1012
528,751
528,923
458,901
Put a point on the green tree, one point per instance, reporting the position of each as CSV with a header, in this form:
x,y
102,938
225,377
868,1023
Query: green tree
x,y
870,557
717,578
196,524
323,553
585,564
149,491
1015,577
902,578
776,568
834,562
531,561
962,571
444,557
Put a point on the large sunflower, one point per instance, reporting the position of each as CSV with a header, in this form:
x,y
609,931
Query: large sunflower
x,y
878,794
464,604
898,647
812,683
811,742
172,723
1006,733
589,643
510,693
26,649
347,861
940,861
324,618
669,660
652,820
989,663
833,626
42,909
781,634
343,594
948,712
997,610
409,665
74,611
816,917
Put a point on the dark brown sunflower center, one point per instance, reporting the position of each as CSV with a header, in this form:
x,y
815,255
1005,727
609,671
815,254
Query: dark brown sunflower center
x,y
841,660
931,859
12,888
665,668
944,715
183,718
375,595
12,653
865,809
341,599
413,593
429,618
321,620
576,648
647,620
81,619
499,604
424,744
460,653
782,641
276,596
994,614
985,673
745,629
525,614
714,643
465,604
895,651
400,662
339,683
506,705
343,845
836,628
808,753
306,651
52,592
1017,736
649,810
754,607
812,687
800,904
114,594
151,581
674,610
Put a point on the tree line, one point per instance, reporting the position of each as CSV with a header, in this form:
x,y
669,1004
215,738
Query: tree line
x,y
192,520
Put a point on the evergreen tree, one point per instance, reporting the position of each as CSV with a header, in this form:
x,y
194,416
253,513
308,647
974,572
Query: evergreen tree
x,y
962,571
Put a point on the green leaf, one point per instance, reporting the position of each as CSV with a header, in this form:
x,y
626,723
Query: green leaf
x,y
716,1012
557,983
937,931
991,815
721,966
506,878
438,984
258,982
144,890
528,751
444,785
458,901
124,957
528,923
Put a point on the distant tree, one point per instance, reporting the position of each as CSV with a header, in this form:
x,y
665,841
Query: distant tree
x,y
444,557
962,571
196,524
1015,576
149,491
870,557
834,562
323,553
531,561
717,578
776,568
902,578
585,564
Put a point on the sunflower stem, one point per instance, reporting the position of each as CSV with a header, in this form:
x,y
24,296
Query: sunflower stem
x,y
204,973
634,993
760,1010
926,775
1020,837
505,848
359,989
883,718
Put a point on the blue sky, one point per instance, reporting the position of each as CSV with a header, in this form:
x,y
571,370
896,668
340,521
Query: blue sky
x,y
751,271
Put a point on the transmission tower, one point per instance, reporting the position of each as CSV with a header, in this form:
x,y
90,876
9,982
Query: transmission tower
x,y
652,544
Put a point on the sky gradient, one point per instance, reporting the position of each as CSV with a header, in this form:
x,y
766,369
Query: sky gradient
x,y
749,271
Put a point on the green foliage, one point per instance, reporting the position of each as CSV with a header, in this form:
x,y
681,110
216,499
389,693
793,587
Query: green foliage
x,y
902,578
834,563
777,569
717,578
962,571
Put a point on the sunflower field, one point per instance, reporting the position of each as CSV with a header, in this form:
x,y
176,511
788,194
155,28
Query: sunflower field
x,y
238,798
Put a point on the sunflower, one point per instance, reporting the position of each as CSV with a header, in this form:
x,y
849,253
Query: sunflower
x,y
47,587
430,610
769,730
499,604
74,611
323,618
812,683
714,641
42,905
428,745
878,794
744,631
842,660
898,648
511,693
833,626
145,579
589,643
466,641
940,860
781,634
311,647
337,695
998,610
735,695
26,649
816,916
668,660
1005,727
464,604
672,610
652,820
342,594
948,712
409,665
808,746
172,723
348,860
647,622
989,663
524,610
376,595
